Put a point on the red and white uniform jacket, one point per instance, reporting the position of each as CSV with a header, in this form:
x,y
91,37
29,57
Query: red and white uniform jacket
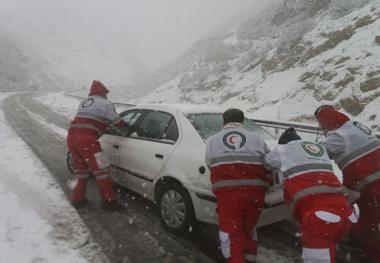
x,y
356,152
307,172
235,159
95,113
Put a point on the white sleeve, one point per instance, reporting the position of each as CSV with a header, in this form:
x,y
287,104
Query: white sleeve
x,y
110,113
265,148
259,146
208,159
335,144
272,160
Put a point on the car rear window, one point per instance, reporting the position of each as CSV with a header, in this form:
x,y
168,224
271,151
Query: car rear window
x,y
158,126
207,124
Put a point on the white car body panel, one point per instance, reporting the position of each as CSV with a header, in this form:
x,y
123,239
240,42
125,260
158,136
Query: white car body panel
x,y
139,170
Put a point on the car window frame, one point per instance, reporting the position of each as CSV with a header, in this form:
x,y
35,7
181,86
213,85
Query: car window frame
x,y
141,119
124,113
176,125
199,131
127,133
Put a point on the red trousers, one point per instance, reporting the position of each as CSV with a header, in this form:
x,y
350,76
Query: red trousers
x,y
368,230
238,213
322,227
88,157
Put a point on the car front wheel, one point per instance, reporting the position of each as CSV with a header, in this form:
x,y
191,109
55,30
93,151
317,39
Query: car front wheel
x,y
176,209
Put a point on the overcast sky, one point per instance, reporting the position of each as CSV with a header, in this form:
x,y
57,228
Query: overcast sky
x,y
156,30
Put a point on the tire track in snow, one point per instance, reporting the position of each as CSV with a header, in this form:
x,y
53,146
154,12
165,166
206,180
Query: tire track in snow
x,y
62,218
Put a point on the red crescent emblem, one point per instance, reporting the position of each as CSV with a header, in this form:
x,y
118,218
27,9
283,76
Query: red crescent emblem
x,y
232,139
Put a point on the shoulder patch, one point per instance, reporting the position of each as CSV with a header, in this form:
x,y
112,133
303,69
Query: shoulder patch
x,y
362,127
313,149
87,103
234,140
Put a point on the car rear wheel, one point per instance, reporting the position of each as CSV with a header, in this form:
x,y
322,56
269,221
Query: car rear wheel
x,y
176,208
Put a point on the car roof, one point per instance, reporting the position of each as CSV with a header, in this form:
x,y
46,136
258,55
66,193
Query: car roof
x,y
184,108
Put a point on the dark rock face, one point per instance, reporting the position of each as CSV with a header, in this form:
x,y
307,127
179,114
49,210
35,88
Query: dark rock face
x,y
370,84
352,105
377,40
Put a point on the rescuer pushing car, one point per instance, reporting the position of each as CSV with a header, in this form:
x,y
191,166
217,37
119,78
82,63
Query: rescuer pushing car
x,y
357,153
95,114
314,195
239,181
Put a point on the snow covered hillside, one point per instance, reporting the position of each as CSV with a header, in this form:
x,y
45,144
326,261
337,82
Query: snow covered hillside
x,y
283,64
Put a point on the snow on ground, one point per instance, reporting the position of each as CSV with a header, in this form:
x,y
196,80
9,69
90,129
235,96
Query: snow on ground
x,y
50,126
63,105
37,224
336,72
66,105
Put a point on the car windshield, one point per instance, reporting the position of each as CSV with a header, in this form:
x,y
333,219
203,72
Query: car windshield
x,y
207,124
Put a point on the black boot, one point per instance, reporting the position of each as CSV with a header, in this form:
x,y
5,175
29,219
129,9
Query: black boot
x,y
351,245
112,205
78,204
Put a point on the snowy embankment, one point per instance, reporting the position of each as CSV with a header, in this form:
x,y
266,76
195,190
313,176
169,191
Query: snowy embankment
x,y
67,105
63,105
37,223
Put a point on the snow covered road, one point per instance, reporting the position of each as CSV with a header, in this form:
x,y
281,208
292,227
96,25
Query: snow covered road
x,y
37,224
134,235
121,235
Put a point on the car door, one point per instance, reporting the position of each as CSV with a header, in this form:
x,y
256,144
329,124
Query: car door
x,y
115,136
147,149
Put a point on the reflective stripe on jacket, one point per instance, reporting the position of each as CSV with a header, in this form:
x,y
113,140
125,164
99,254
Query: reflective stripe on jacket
x,y
95,113
234,156
306,170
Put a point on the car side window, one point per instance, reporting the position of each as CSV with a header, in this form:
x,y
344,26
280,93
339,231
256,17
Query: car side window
x,y
171,132
155,126
131,117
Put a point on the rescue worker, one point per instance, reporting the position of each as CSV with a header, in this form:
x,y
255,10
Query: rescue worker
x,y
239,181
357,153
94,115
314,195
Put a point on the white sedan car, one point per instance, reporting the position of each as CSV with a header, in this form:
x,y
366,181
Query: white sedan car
x,y
161,155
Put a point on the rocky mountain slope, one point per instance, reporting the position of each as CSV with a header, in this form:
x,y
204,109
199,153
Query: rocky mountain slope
x,y
286,62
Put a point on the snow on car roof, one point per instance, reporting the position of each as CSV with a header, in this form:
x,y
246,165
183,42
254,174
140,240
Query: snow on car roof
x,y
185,108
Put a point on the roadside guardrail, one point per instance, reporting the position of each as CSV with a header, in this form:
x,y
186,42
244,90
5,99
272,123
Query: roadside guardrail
x,y
283,125
116,103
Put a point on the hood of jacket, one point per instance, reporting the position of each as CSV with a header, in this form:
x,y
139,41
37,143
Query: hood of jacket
x,y
331,119
98,89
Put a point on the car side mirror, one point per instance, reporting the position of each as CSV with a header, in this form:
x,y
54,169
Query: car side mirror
x,y
111,130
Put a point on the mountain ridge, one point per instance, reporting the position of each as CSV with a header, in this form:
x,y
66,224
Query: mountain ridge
x,y
283,64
